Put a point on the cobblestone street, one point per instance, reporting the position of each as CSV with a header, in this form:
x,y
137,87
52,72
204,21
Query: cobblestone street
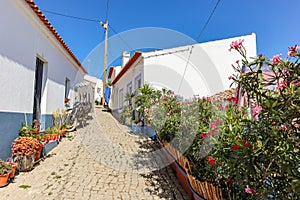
x,y
102,160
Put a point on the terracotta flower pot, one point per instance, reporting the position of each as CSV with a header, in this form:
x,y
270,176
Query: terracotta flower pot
x,y
3,180
13,170
38,153
62,132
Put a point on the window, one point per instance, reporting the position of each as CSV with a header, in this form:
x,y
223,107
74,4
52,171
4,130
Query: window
x,y
121,100
138,82
67,92
129,88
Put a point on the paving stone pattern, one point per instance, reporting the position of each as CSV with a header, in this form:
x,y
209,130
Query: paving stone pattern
x,y
101,160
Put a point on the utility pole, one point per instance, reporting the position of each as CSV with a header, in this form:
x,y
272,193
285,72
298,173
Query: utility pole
x,y
105,26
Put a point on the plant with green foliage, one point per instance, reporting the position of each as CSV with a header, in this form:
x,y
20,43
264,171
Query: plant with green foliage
x,y
5,167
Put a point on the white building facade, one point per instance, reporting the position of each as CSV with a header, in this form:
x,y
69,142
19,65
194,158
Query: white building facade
x,y
38,70
201,69
98,86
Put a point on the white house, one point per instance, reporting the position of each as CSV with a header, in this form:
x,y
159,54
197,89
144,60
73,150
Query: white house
x,y
38,70
97,84
200,69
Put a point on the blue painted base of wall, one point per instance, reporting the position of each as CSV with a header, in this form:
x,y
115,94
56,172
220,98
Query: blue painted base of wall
x,y
10,124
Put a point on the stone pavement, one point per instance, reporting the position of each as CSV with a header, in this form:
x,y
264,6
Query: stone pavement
x,y
101,160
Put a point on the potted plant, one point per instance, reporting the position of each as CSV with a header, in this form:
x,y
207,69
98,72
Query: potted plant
x,y
24,152
5,169
63,129
14,166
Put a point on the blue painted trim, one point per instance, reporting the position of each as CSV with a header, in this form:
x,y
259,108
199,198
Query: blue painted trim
x,y
135,79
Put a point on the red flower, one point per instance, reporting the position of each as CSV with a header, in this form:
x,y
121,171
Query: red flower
x,y
293,50
220,107
203,135
211,161
247,144
235,147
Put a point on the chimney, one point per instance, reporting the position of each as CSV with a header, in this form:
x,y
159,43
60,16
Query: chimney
x,y
125,58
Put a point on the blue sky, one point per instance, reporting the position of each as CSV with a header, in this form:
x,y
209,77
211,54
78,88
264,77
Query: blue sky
x,y
275,23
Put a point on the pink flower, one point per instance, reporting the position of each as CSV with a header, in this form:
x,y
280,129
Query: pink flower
x,y
236,44
146,110
179,103
276,59
293,50
211,161
212,125
282,85
249,190
218,122
164,98
152,101
150,118
283,127
295,83
168,114
257,109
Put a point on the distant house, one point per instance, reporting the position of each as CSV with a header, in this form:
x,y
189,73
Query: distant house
x,y
98,86
200,69
38,70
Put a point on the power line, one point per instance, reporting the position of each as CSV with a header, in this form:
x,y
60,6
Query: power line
x,y
208,19
71,16
187,64
90,20
119,36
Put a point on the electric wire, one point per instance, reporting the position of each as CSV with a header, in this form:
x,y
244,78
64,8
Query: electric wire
x,y
208,20
71,16
90,20
120,37
187,63
201,32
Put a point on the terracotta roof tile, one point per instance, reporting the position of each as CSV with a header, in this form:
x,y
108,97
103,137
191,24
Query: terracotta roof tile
x,y
42,17
223,95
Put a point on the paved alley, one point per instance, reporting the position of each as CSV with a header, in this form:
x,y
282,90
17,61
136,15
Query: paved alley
x,y
101,160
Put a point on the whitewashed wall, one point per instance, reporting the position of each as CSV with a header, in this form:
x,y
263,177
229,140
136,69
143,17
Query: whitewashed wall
x,y
203,72
23,37
136,70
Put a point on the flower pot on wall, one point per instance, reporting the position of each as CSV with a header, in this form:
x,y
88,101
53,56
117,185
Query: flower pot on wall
x,y
25,163
49,146
13,170
3,180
